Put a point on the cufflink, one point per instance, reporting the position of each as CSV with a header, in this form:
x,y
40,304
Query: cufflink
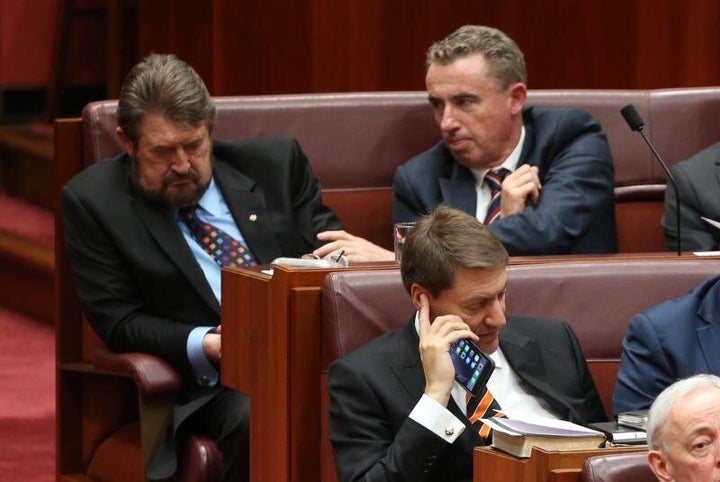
x,y
449,431
253,217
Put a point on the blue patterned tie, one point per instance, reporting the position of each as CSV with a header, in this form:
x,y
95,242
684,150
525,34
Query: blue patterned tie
x,y
223,248
494,179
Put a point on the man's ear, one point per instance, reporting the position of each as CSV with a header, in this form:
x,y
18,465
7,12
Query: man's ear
x,y
415,291
125,140
658,465
517,95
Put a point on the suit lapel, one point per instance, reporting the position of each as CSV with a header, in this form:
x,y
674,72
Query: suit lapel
x,y
162,226
708,330
458,190
249,211
523,355
408,368
529,143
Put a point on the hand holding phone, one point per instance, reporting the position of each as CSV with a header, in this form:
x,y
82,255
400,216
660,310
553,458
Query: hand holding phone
x,y
435,340
472,367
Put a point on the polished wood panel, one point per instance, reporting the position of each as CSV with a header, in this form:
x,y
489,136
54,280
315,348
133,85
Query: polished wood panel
x,y
364,45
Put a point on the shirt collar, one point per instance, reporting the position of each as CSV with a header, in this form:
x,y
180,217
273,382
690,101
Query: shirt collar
x,y
212,200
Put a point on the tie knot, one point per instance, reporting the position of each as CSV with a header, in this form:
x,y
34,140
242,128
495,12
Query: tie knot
x,y
496,176
187,213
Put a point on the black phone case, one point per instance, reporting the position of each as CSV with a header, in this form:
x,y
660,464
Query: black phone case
x,y
471,377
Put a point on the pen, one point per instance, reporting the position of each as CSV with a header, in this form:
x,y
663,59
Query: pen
x,y
342,253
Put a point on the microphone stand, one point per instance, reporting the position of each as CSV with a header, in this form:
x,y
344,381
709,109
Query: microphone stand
x,y
636,123
677,191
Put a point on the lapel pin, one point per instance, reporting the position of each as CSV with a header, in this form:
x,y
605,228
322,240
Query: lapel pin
x,y
253,217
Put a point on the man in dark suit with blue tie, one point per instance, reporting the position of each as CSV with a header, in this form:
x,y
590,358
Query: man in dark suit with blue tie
x,y
558,194
396,411
675,339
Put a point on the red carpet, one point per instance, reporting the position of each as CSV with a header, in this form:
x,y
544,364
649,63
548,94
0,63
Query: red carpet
x,y
27,399
25,219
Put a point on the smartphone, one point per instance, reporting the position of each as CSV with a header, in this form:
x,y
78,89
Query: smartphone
x,y
472,367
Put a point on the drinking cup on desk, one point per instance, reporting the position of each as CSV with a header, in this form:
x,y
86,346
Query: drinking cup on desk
x,y
400,232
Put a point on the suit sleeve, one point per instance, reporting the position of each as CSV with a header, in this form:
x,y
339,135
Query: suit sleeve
x,y
366,447
407,206
577,190
593,402
109,296
644,371
696,234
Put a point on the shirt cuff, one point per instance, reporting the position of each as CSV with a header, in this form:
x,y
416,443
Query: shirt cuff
x,y
438,419
205,373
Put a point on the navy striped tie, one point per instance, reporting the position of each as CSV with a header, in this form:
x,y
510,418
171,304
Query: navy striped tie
x,y
494,179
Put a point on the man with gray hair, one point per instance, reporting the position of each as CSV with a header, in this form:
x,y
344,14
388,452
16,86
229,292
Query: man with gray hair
x,y
396,411
541,178
684,431
149,231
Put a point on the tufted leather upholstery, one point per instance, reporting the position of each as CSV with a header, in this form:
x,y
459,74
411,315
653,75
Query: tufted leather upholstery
x,y
617,468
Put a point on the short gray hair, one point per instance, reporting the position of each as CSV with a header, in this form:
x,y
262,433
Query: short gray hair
x,y
165,85
504,58
661,407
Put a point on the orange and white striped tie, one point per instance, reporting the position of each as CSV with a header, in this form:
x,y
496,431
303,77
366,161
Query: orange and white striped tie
x,y
483,406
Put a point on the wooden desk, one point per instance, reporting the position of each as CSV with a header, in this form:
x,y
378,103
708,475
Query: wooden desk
x,y
541,466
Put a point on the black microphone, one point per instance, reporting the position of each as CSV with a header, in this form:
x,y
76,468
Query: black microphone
x,y
636,123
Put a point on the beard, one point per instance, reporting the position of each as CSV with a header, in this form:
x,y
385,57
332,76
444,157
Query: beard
x,y
169,194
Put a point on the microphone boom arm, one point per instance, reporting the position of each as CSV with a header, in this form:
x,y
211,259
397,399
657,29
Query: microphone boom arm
x,y
672,181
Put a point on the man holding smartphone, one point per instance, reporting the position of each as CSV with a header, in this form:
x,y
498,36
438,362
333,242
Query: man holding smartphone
x,y
397,411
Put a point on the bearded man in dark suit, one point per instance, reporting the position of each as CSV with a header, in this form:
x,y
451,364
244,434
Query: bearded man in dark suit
x,y
396,411
145,281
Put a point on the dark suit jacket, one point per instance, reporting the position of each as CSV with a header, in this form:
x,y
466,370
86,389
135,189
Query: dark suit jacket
x,y
698,180
576,209
138,282
374,389
673,340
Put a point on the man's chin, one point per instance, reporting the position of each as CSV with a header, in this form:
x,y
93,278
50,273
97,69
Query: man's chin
x,y
183,194
465,157
488,344
176,195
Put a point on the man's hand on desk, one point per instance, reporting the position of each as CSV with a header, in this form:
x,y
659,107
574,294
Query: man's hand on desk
x,y
355,248
212,345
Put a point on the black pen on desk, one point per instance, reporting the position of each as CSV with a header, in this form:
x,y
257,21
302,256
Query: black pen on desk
x,y
339,256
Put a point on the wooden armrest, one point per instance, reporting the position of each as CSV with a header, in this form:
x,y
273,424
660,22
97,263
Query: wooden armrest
x,y
152,375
